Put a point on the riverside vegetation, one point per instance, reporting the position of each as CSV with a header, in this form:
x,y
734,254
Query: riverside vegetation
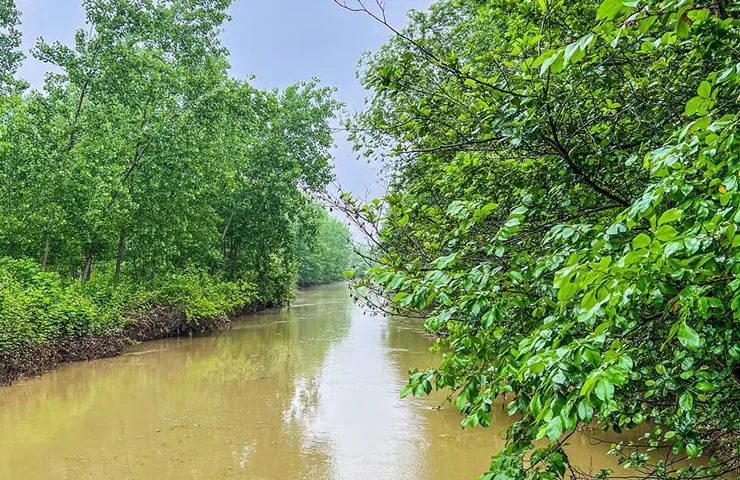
x,y
564,213
145,193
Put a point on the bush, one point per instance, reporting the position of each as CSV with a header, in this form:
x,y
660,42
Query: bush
x,y
202,296
37,307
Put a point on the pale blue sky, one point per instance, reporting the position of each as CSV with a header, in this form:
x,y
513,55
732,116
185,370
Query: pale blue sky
x,y
279,41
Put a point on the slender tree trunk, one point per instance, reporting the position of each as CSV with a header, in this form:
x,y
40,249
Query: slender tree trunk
x,y
45,259
87,271
119,258
226,230
78,111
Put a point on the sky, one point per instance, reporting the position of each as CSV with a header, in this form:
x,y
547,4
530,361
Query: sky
x,y
279,41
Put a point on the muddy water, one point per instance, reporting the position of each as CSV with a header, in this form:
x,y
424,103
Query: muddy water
x,y
309,392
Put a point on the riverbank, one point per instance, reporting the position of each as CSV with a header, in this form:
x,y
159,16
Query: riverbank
x,y
47,320
155,324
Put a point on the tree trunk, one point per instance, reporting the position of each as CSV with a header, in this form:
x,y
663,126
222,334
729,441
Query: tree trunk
x,y
119,258
87,271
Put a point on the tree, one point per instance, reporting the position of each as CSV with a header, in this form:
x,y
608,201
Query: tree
x,y
143,157
142,179
10,42
562,211
324,251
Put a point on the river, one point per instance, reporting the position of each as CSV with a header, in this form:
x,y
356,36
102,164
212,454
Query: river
x,y
306,392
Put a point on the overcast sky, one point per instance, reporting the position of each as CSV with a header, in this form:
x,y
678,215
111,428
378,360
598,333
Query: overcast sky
x,y
279,41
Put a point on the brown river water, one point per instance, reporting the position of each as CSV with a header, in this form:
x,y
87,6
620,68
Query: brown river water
x,y
306,392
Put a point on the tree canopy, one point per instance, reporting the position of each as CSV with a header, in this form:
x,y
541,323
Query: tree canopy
x,y
324,252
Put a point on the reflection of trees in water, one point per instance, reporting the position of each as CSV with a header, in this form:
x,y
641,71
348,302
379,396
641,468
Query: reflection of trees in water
x,y
294,343
196,405
289,347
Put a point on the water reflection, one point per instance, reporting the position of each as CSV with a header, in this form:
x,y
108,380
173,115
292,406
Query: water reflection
x,y
307,392
371,430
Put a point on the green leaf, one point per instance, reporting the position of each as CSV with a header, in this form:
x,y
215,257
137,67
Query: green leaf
x,y
640,241
692,450
670,216
688,336
461,402
444,262
692,106
487,319
604,390
704,90
615,375
406,391
551,60
704,386
682,27
396,281
574,52
666,233
400,296
692,244
585,412
555,428
609,9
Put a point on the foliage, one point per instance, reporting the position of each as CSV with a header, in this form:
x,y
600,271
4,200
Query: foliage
x,y
564,211
142,174
39,307
324,252
201,296
10,41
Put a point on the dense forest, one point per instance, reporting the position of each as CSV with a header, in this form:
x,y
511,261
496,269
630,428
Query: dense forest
x,y
564,214
144,185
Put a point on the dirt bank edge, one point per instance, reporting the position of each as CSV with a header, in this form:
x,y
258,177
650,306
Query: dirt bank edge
x,y
153,324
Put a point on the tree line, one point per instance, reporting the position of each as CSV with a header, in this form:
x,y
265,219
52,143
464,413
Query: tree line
x,y
141,161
